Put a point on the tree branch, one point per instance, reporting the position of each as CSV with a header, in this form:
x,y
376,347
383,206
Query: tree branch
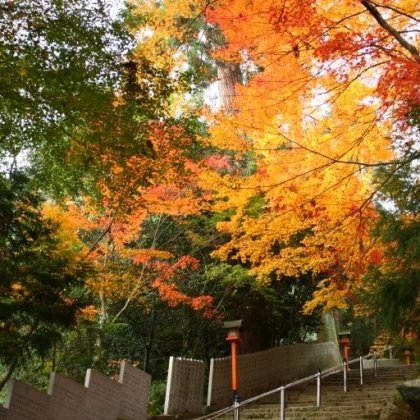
x,y
101,236
136,288
396,10
15,362
385,25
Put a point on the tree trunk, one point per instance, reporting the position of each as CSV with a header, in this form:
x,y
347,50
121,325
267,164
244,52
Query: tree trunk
x,y
149,342
15,362
9,373
99,359
228,75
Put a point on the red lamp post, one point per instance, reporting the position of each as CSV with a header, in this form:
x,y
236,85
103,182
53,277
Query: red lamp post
x,y
233,335
344,338
408,351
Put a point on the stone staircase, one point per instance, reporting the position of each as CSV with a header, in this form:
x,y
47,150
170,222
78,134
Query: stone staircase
x,y
359,402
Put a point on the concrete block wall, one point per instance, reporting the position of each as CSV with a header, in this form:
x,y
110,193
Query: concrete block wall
x,y
261,371
3,413
185,387
100,398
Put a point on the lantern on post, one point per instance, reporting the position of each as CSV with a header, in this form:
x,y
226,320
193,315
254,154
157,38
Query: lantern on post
x,y
408,352
344,339
233,335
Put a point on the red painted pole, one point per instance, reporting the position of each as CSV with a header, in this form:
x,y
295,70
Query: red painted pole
x,y
346,352
233,348
407,354
233,336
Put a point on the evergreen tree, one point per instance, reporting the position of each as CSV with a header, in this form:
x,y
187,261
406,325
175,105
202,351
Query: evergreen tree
x,y
39,278
393,284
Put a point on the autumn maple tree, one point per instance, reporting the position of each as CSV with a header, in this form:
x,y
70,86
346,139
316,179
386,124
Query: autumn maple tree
x,y
322,91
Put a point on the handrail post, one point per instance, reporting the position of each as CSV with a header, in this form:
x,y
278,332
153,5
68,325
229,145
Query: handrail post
x,y
236,414
318,388
282,403
361,370
375,367
345,375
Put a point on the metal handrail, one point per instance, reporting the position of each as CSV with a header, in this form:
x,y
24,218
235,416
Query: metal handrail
x,y
320,374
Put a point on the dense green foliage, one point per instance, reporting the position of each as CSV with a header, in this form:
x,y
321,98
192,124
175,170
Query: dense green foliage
x,y
395,284
74,102
37,275
61,62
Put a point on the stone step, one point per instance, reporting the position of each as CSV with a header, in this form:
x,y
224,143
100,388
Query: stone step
x,y
327,417
368,374
322,417
356,377
366,379
329,407
340,402
332,403
306,408
332,398
338,387
327,414
351,387
344,416
340,390
374,403
335,394
336,408
314,414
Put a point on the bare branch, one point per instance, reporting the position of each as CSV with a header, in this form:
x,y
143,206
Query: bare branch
x,y
396,10
100,237
136,288
384,24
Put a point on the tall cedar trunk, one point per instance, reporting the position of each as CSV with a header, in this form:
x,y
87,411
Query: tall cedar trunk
x,y
228,75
